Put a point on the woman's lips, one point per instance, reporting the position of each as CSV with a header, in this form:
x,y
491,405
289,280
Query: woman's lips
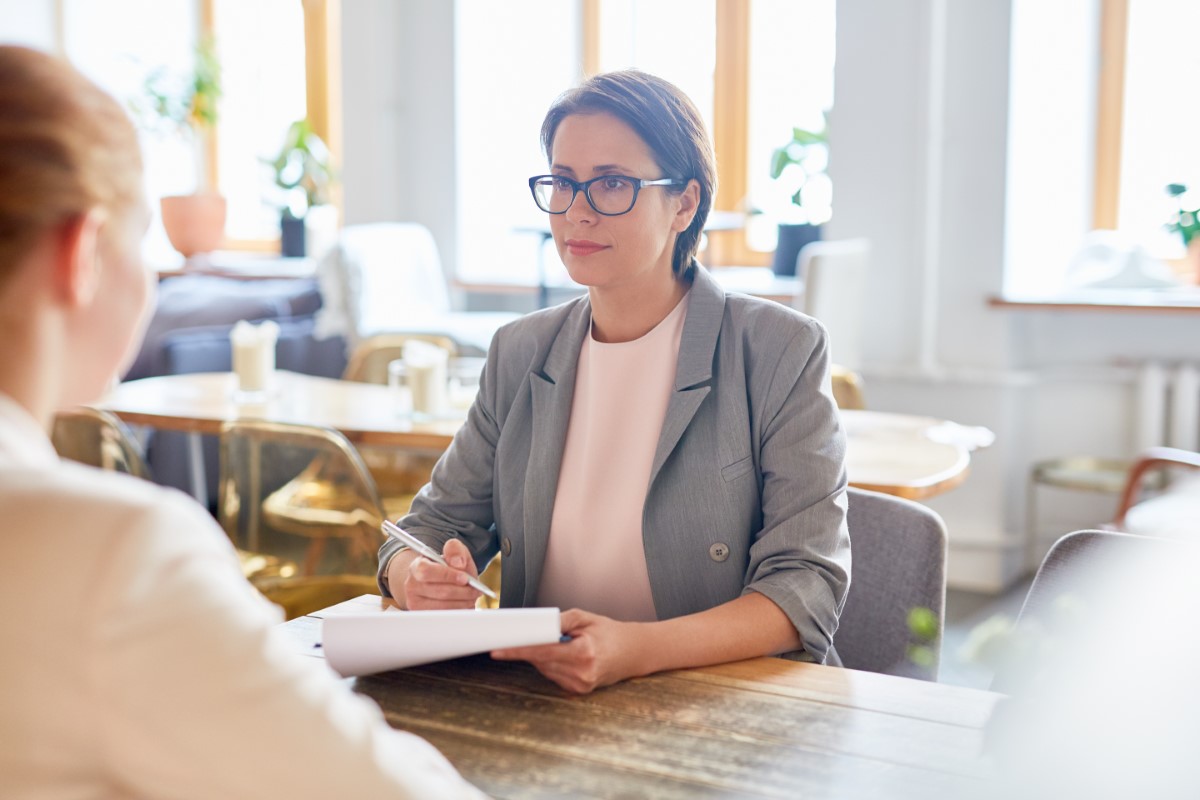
x,y
583,247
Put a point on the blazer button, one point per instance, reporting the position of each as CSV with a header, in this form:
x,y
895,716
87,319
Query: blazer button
x,y
719,552
506,546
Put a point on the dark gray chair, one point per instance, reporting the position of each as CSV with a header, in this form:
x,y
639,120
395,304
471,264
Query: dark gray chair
x,y
899,563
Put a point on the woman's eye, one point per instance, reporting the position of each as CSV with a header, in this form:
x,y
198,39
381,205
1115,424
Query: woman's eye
x,y
561,185
614,184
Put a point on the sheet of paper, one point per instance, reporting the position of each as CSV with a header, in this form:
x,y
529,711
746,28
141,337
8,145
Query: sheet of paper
x,y
360,644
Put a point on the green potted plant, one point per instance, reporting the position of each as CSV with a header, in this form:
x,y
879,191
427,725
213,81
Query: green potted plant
x,y
1186,222
187,104
303,172
799,165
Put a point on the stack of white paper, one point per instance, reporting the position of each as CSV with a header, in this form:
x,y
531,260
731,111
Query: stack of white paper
x,y
360,644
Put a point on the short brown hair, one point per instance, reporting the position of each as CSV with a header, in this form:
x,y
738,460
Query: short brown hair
x,y
65,147
666,120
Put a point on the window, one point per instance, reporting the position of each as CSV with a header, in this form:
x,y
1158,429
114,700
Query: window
x,y
1099,124
1154,126
276,58
790,85
739,61
499,105
261,47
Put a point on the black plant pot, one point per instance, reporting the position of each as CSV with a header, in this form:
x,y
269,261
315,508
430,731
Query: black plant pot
x,y
791,239
292,235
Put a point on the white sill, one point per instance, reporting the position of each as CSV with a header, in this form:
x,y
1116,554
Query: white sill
x,y
1185,299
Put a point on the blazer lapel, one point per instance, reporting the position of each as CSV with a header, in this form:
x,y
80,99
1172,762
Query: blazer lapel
x,y
693,375
551,391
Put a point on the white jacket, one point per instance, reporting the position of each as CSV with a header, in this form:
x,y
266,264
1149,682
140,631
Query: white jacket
x,y
137,662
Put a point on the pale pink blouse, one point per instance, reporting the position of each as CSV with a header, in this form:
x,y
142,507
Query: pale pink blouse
x,y
595,559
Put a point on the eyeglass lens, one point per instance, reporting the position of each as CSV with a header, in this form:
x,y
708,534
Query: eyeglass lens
x,y
608,194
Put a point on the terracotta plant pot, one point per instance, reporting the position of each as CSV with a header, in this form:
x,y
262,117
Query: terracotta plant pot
x,y
195,223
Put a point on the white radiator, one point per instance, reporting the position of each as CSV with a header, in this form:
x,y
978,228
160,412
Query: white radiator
x,y
1168,406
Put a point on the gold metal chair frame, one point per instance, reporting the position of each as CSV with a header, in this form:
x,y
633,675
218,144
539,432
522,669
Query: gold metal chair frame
x,y
333,496
847,388
99,439
369,361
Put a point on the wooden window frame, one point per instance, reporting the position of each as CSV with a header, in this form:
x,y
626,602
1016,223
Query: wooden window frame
x,y
322,65
1110,108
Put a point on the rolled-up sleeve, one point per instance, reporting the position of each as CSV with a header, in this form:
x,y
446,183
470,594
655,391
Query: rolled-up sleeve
x,y
800,559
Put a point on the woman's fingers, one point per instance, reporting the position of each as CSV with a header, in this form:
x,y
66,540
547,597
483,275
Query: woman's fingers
x,y
459,557
426,571
432,586
535,653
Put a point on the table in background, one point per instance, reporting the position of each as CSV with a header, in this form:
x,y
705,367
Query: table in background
x,y
902,454
759,728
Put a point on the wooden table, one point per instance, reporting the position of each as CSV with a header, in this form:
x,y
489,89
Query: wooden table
x,y
759,728
200,402
901,454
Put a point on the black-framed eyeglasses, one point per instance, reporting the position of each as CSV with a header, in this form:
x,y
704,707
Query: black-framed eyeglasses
x,y
610,195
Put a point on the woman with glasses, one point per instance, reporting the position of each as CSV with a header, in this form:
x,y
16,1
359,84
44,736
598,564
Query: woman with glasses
x,y
661,459
137,660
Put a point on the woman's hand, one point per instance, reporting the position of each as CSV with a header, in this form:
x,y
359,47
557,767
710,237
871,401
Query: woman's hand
x,y
427,585
602,651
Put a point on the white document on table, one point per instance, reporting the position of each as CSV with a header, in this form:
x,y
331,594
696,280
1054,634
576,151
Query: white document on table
x,y
361,644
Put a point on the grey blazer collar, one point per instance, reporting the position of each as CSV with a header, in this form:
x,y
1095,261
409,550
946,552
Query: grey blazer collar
x,y
706,309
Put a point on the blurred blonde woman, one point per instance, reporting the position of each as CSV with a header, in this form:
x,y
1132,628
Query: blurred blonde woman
x,y
137,661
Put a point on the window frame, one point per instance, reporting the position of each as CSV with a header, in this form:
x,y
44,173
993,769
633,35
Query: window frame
x,y
1110,109
731,107
322,65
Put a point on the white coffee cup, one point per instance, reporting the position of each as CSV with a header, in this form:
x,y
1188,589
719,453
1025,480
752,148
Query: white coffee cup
x,y
253,354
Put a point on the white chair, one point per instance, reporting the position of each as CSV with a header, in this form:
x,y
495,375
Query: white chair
x,y
834,276
387,278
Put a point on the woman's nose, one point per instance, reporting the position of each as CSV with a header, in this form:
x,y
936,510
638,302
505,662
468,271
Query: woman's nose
x,y
580,209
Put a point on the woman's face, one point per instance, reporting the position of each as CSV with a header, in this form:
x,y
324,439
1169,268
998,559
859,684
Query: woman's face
x,y
630,250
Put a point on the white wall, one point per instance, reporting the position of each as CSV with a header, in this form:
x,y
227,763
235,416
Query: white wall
x,y
398,102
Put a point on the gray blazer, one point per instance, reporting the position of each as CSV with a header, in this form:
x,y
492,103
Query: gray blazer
x,y
748,485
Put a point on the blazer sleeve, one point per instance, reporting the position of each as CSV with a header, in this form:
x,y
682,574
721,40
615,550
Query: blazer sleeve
x,y
457,501
801,557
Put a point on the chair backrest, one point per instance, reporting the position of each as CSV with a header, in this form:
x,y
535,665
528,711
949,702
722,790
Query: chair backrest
x,y
369,361
834,278
847,387
99,439
1071,560
899,563
329,486
1086,579
378,275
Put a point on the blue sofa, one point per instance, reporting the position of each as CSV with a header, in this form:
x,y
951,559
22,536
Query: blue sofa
x,y
189,332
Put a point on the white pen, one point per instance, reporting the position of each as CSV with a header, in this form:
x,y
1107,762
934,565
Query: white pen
x,y
396,532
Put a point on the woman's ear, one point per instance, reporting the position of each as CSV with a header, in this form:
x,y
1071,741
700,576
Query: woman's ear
x,y
77,266
689,201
